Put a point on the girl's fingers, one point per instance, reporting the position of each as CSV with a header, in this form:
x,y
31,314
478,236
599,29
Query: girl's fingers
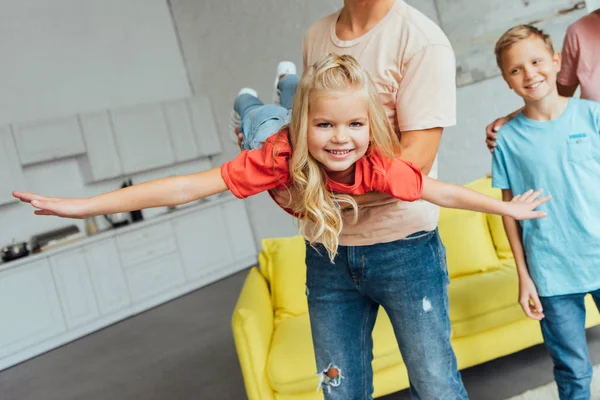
x,y
526,195
29,197
541,201
538,214
43,212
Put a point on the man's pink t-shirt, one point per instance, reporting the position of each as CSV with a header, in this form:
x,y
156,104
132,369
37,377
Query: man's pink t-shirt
x,y
581,57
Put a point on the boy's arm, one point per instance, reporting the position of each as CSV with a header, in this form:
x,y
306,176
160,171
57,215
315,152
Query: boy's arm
x,y
157,193
527,290
454,196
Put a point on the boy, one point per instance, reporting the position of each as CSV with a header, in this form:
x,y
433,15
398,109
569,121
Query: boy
x,y
553,143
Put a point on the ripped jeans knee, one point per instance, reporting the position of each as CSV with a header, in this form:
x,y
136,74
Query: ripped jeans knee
x,y
330,377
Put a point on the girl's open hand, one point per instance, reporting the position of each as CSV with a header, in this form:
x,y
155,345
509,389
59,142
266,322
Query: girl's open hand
x,y
523,206
60,207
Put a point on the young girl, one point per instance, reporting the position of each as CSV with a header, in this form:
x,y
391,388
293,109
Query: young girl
x,y
338,143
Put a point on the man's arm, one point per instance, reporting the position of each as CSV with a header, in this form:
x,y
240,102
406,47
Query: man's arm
x,y
491,129
566,90
420,147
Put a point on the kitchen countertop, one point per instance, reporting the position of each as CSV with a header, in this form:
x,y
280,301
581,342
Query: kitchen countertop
x,y
86,240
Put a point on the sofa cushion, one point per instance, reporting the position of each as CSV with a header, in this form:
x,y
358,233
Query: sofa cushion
x,y
291,366
282,262
484,185
469,246
484,301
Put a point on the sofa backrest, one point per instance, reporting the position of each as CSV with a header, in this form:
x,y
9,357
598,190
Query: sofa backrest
x,y
474,243
282,262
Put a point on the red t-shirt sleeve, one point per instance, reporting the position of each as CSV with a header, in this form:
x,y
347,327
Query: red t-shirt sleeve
x,y
254,171
396,177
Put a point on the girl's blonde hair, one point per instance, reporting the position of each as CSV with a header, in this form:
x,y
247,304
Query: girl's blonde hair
x,y
320,210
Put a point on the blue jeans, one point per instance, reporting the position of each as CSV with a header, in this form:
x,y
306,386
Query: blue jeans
x,y
259,121
409,279
563,329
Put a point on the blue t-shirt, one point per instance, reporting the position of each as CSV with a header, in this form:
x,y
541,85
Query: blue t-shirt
x,y
561,156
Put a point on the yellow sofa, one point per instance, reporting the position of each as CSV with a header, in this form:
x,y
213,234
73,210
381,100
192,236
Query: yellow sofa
x,y
271,326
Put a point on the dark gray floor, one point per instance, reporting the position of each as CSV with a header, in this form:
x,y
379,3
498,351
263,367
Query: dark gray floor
x,y
184,350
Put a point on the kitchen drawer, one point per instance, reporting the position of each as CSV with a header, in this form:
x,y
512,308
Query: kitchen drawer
x,y
146,244
147,234
155,277
147,251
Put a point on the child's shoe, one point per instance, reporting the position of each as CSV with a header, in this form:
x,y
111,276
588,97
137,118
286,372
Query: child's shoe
x,y
283,68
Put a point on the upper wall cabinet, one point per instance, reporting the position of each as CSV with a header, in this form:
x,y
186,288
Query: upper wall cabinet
x,y
204,125
116,142
142,138
102,158
11,174
48,140
179,122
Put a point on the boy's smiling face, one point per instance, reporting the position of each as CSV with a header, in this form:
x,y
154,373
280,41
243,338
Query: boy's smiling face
x,y
530,68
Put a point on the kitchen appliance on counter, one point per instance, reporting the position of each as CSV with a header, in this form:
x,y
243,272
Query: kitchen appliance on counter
x,y
121,219
14,251
55,238
117,220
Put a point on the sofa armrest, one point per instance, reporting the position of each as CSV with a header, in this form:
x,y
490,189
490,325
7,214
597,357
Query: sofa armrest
x,y
252,325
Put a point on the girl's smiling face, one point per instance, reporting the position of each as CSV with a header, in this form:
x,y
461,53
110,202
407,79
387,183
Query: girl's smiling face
x,y
338,131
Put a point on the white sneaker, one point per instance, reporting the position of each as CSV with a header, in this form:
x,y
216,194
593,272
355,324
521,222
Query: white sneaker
x,y
283,68
235,120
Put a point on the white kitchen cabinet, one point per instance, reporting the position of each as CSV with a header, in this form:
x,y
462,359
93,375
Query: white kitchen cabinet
x,y
48,140
181,131
11,173
203,242
142,138
102,158
241,238
107,276
74,284
149,279
52,298
204,126
144,245
29,307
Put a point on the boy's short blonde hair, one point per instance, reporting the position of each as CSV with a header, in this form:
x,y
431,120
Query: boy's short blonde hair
x,y
516,34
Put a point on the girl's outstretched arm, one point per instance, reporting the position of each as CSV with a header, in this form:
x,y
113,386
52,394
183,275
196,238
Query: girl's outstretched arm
x,y
170,191
455,196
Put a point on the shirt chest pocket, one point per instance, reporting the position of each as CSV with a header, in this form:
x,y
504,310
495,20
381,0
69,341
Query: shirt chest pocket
x,y
579,147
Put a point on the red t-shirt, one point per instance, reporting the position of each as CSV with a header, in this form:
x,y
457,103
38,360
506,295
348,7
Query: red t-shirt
x,y
254,171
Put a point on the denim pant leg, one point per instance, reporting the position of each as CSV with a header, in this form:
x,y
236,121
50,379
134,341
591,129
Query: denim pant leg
x,y
245,103
287,89
409,279
259,121
563,328
342,321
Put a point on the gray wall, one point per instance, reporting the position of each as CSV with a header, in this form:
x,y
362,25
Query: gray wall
x,y
228,44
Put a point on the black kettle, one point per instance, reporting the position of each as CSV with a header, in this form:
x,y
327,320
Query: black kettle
x,y
117,220
14,251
